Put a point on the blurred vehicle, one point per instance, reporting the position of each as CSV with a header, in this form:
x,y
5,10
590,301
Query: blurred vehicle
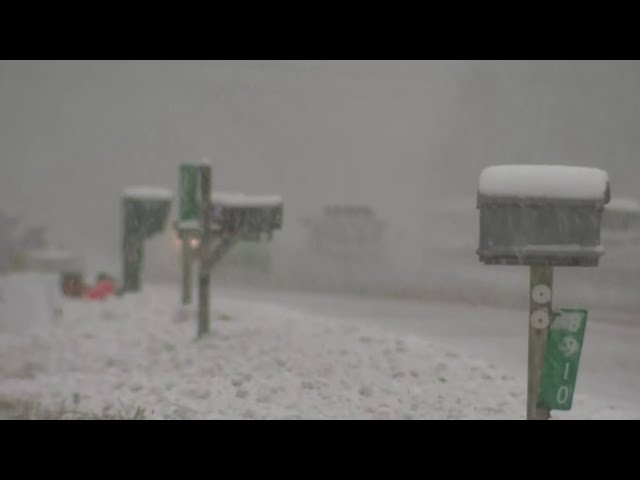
x,y
621,222
346,233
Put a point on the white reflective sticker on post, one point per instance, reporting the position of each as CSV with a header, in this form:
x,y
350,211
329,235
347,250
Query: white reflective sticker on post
x,y
541,294
540,319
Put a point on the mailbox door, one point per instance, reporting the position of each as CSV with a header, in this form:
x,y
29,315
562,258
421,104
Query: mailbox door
x,y
523,225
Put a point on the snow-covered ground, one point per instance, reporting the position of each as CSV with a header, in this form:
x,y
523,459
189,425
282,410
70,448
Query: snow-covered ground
x,y
277,355
609,364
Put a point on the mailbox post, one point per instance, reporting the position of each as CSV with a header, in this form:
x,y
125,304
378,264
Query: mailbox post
x,y
188,214
217,221
204,274
541,216
540,313
231,218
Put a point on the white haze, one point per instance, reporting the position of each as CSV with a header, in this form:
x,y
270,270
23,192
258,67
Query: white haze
x,y
407,138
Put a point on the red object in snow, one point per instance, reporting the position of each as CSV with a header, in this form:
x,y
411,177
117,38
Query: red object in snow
x,y
101,290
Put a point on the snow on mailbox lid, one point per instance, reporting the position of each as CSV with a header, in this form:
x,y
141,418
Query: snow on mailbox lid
x,y
545,182
146,192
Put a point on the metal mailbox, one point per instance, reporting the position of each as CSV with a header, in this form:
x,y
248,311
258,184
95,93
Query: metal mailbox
x,y
529,222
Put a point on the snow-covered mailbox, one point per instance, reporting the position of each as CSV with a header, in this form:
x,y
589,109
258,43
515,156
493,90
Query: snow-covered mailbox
x,y
211,223
145,211
248,217
541,215
544,216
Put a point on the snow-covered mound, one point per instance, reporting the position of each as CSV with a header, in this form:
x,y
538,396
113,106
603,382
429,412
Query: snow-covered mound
x,y
262,361
28,300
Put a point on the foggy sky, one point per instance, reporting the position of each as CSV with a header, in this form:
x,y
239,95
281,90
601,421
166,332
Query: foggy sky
x,y
403,137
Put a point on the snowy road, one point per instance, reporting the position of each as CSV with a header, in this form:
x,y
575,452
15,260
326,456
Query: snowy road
x,y
610,364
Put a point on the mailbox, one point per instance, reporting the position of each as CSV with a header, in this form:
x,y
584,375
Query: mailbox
x,y
145,213
146,210
541,215
250,217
